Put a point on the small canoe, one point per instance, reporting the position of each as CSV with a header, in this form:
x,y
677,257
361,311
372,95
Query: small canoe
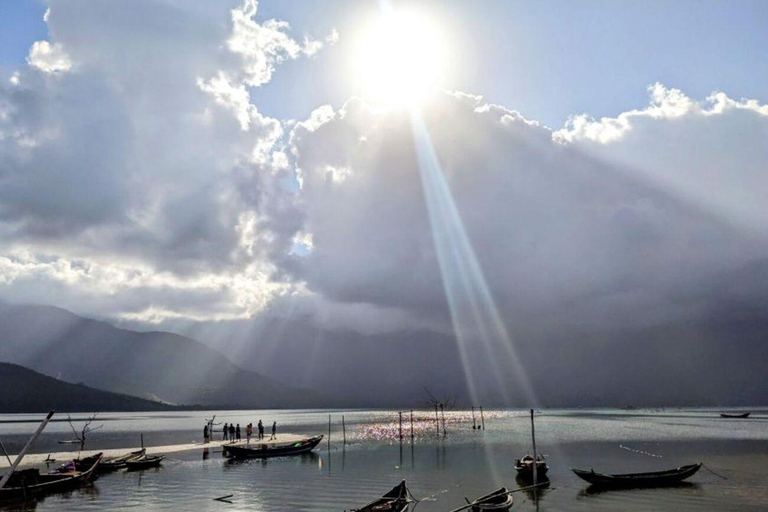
x,y
495,501
256,450
144,462
524,468
27,484
629,480
735,416
395,500
112,463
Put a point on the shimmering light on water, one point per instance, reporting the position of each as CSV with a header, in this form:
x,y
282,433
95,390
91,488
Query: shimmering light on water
x,y
335,478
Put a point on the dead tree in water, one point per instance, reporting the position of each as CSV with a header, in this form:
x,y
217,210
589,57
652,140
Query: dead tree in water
x,y
443,404
87,429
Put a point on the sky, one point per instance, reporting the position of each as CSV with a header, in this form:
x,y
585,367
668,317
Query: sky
x,y
477,168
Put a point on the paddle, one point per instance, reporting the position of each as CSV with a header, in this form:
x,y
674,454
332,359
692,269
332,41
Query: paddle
x,y
477,502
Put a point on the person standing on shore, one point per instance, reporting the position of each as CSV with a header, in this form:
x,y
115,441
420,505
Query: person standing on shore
x,y
226,433
205,434
237,432
274,430
261,430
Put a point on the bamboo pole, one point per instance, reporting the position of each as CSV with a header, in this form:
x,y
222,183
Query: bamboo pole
x,y
411,426
482,419
344,429
329,430
533,439
10,462
442,413
400,414
474,424
437,422
24,450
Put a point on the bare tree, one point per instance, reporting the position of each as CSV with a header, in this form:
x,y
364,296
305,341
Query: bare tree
x,y
87,429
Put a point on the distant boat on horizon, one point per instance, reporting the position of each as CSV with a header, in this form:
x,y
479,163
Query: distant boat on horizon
x,y
735,416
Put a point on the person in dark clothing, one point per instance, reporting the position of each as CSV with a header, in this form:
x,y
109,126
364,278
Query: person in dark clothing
x,y
226,432
205,433
261,430
274,430
237,432
231,431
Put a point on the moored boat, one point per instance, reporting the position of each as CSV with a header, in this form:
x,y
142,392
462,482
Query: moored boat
x,y
263,450
395,500
650,479
109,464
735,416
29,483
144,462
524,468
496,501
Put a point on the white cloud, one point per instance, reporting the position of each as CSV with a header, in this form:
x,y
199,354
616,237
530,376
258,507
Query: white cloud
x,y
49,58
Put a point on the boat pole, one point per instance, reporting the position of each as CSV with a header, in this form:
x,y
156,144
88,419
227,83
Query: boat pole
x,y
23,451
533,438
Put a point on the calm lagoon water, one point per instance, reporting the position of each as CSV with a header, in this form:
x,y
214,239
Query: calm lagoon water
x,y
443,471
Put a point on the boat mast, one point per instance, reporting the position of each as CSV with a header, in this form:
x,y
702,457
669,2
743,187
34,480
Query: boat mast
x,y
533,438
24,450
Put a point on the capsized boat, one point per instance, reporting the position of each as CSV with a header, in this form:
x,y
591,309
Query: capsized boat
x,y
497,500
395,500
264,450
735,416
30,483
629,480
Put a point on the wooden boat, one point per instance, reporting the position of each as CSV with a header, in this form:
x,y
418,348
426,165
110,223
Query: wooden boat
x,y
110,464
524,468
497,500
264,450
395,500
29,483
144,462
735,416
652,479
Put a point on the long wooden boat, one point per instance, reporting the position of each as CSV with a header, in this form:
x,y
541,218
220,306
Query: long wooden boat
x,y
264,450
735,416
524,468
496,501
395,500
109,464
144,462
652,479
29,483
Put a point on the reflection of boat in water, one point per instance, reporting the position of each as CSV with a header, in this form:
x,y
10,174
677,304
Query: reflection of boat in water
x,y
264,450
29,483
630,480
735,416
395,500
497,500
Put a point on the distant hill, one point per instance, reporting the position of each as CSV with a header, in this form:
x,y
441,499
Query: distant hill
x,y
155,365
26,391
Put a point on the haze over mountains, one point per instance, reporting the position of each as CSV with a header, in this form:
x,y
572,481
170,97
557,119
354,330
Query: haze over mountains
x,y
158,366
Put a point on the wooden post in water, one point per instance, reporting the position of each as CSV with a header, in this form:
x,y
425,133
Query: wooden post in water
x,y
482,419
437,422
411,426
533,438
442,413
23,451
400,414
344,429
329,431
142,441
474,424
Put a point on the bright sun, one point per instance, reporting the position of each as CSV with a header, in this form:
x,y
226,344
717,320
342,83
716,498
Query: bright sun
x,y
400,59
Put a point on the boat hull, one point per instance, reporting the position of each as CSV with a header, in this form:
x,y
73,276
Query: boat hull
x,y
42,485
494,502
635,480
395,500
263,451
735,416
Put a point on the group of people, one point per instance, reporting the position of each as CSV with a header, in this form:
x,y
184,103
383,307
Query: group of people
x,y
232,432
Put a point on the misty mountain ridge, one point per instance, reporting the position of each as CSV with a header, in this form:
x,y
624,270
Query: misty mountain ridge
x,y
154,365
